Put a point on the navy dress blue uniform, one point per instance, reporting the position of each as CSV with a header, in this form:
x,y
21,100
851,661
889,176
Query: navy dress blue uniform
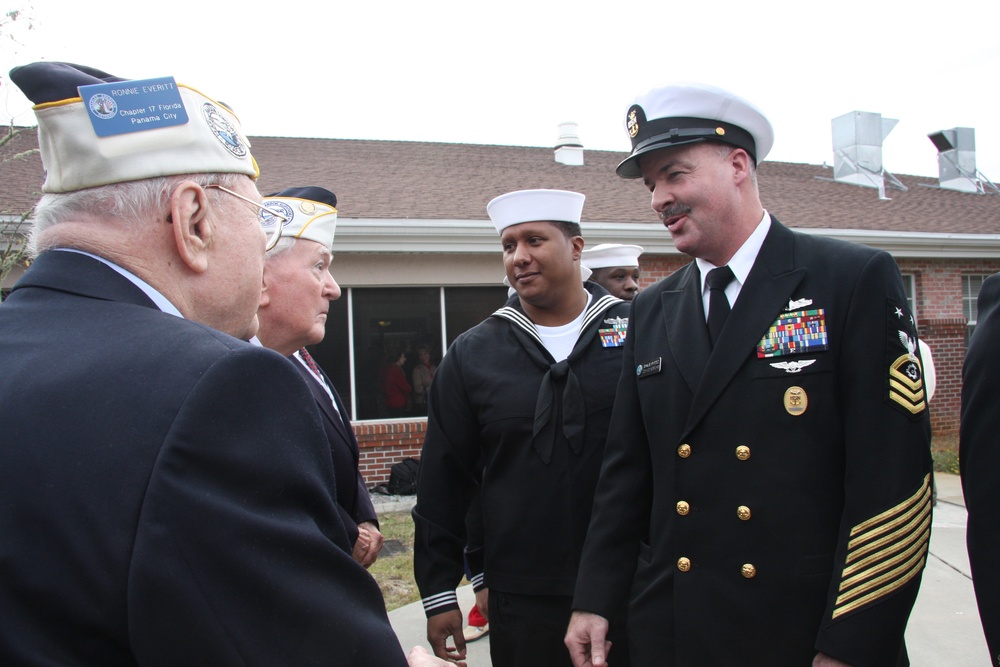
x,y
165,492
535,492
755,509
979,459
353,500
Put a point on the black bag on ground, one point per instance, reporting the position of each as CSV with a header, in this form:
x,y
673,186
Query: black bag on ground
x,y
403,478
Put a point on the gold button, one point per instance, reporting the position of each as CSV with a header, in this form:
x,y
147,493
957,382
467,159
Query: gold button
x,y
684,451
742,452
743,512
749,571
683,564
683,508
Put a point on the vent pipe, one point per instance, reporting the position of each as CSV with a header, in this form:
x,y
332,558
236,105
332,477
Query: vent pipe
x,y
957,161
857,150
569,148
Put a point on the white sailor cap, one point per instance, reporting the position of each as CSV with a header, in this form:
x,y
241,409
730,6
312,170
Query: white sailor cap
x,y
311,213
514,208
97,129
686,113
611,255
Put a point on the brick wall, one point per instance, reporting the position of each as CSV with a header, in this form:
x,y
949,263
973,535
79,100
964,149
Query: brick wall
x,y
941,324
383,443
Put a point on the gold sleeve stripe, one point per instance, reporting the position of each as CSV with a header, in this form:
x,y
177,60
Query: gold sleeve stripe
x,y
916,498
915,396
867,567
912,518
913,408
886,551
908,570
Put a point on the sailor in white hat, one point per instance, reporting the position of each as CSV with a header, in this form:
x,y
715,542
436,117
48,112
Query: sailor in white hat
x,y
518,413
615,267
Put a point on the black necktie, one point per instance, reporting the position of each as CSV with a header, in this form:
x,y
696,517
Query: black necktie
x,y
718,304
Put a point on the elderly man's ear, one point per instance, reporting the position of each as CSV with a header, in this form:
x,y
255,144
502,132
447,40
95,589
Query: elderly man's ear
x,y
265,294
192,229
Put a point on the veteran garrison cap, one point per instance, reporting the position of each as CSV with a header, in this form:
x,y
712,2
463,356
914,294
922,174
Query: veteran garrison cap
x,y
520,206
686,113
97,129
311,213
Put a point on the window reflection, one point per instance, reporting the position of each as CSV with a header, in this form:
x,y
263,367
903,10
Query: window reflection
x,y
389,323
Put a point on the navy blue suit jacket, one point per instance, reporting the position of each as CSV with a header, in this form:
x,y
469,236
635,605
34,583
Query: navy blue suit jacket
x,y
165,492
352,495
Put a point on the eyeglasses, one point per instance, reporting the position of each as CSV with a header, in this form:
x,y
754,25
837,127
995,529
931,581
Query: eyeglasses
x,y
272,220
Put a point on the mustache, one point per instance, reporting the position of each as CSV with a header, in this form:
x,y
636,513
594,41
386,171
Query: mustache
x,y
673,211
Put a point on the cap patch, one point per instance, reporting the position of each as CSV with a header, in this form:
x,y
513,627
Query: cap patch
x,y
133,106
224,130
632,120
268,221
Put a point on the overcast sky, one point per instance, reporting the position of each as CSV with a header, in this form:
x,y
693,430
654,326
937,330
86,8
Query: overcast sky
x,y
510,72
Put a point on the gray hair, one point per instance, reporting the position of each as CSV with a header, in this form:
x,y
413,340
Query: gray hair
x,y
132,201
283,245
726,149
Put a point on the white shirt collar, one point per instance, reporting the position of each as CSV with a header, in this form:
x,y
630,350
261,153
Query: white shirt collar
x,y
743,260
161,301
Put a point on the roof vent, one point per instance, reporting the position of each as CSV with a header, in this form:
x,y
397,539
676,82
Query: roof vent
x,y
569,148
957,161
857,151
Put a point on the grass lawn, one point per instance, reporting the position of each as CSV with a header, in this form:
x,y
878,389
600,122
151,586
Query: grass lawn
x,y
944,449
394,568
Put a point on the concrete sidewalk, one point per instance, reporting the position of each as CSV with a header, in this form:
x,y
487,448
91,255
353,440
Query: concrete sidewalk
x,y
944,627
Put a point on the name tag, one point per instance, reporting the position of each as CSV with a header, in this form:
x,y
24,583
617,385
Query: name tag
x,y
133,106
649,367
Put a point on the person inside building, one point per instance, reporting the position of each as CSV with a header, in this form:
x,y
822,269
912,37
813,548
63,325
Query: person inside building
x,y
765,497
165,486
979,457
518,414
422,374
396,390
615,267
294,304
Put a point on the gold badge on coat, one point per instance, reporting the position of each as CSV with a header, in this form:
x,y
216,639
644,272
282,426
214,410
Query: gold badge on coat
x,y
796,401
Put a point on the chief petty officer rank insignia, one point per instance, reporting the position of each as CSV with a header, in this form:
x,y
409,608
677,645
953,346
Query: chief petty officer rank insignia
x,y
905,377
615,336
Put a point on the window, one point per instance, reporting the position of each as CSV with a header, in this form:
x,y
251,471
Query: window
x,y
970,294
367,325
908,288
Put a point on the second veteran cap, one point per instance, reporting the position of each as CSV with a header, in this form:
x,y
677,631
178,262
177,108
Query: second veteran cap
x,y
520,206
311,213
686,113
97,129
608,255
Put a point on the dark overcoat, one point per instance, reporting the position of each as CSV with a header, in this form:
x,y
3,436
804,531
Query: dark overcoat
x,y
979,458
165,491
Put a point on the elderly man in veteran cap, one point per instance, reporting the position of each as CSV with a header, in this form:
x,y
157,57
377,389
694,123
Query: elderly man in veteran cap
x,y
518,414
765,496
295,300
615,267
165,487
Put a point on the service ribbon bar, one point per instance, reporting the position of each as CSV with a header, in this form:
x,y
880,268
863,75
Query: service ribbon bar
x,y
798,332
